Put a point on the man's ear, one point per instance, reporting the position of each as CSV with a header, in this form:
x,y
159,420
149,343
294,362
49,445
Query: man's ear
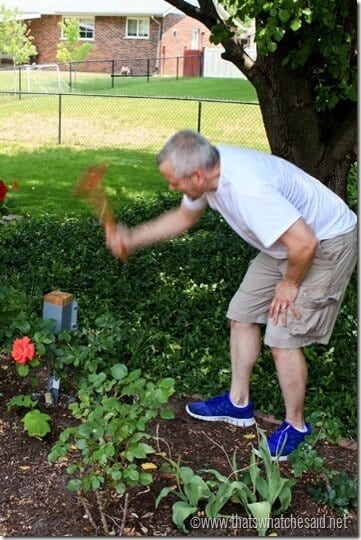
x,y
199,177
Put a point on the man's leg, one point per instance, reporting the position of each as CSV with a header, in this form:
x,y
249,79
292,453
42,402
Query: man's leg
x,y
292,375
245,350
235,406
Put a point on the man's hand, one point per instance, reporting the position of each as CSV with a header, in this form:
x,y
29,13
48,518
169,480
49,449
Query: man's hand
x,y
117,240
301,244
283,300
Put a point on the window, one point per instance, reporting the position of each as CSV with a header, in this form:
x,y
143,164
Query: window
x,y
86,27
195,39
137,28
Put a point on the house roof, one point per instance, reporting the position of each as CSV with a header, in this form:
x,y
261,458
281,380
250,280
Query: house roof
x,y
90,7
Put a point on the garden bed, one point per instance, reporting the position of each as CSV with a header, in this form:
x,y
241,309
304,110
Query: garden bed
x,y
34,499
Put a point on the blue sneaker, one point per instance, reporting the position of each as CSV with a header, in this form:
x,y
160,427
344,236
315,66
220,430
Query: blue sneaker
x,y
220,409
283,441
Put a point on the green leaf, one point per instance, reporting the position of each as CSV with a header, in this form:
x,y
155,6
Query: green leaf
x,y
166,414
21,401
142,450
186,474
182,510
36,423
167,383
295,24
307,15
163,493
272,46
261,512
119,371
220,477
284,15
23,370
74,484
213,506
145,478
40,348
285,496
196,489
278,33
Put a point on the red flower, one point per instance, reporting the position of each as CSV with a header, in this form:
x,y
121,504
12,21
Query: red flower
x,y
3,191
23,350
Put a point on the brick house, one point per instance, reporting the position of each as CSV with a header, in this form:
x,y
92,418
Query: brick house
x,y
136,34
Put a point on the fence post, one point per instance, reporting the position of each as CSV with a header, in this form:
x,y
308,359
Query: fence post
x,y
148,69
70,76
20,82
199,116
113,68
59,118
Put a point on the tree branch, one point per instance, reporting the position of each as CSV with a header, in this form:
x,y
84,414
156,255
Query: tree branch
x,y
206,13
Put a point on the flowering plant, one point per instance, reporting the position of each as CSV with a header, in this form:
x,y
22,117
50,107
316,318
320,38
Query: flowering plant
x,y
36,423
4,208
3,191
23,352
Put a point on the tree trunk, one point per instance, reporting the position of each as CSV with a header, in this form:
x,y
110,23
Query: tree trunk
x,y
321,143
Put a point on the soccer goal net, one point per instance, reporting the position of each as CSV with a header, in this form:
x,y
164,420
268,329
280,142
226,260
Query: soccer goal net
x,y
42,77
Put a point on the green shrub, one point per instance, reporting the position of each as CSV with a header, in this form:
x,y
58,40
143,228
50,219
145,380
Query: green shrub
x,y
166,307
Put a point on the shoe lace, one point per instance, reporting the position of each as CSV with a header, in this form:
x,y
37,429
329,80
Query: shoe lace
x,y
217,399
279,437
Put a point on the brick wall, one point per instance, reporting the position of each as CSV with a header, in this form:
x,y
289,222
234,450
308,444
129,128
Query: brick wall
x,y
109,43
179,33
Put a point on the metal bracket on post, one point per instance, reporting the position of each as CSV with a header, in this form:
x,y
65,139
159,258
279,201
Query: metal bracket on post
x,y
63,310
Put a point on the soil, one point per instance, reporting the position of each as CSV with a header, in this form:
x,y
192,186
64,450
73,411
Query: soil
x,y
34,499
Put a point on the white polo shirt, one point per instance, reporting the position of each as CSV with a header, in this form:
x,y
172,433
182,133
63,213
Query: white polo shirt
x,y
261,196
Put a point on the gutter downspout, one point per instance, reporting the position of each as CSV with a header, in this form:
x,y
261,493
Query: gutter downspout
x,y
158,43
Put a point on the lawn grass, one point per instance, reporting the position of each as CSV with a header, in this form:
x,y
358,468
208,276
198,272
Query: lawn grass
x,y
96,83
193,87
47,176
132,123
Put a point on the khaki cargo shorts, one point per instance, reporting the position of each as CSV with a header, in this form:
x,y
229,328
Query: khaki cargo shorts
x,y
318,300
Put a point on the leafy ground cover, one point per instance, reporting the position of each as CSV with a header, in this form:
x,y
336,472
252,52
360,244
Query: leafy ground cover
x,y
167,305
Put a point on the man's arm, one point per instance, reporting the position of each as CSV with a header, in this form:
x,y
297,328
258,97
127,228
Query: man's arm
x,y
301,244
166,226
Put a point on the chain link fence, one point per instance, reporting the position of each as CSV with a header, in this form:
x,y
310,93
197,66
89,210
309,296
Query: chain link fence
x,y
137,123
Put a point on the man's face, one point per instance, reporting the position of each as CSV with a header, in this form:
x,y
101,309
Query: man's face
x,y
193,186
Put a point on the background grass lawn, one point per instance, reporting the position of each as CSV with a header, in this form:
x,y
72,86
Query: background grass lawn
x,y
95,83
46,178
